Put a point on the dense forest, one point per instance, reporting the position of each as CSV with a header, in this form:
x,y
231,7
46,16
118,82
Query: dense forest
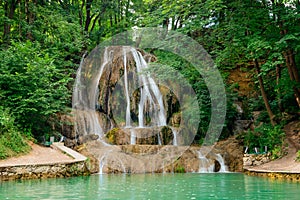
x,y
42,42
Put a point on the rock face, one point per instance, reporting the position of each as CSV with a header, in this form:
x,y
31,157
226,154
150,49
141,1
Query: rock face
x,y
150,136
233,153
142,121
124,97
164,158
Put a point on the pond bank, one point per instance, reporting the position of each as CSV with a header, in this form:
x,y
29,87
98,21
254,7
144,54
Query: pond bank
x,y
284,175
44,162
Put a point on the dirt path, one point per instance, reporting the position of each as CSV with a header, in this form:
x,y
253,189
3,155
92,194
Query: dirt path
x,y
38,155
286,163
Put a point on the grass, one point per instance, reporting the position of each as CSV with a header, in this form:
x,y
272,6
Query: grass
x,y
12,144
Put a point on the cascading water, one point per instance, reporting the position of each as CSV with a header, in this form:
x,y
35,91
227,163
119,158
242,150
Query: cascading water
x,y
207,165
140,112
151,111
149,93
82,102
126,90
132,137
223,167
174,131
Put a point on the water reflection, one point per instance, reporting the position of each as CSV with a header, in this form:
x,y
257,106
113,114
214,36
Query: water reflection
x,y
152,186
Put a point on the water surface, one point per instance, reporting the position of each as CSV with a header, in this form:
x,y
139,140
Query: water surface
x,y
152,186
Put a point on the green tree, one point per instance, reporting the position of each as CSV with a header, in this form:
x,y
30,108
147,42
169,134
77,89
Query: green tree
x,y
32,86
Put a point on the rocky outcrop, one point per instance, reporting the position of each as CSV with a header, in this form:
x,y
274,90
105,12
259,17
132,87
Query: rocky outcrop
x,y
164,158
244,81
147,135
232,151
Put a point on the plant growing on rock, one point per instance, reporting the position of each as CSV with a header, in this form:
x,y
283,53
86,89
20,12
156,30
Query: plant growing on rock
x,y
298,156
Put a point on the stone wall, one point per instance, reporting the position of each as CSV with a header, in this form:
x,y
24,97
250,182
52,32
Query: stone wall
x,y
256,159
43,171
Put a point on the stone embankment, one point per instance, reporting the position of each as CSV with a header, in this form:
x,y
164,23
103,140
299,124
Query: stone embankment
x,y
256,159
44,162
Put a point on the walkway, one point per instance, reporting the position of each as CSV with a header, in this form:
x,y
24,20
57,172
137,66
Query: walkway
x,y
40,155
288,163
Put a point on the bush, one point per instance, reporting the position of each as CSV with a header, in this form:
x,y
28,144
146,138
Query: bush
x,y
32,86
11,141
265,135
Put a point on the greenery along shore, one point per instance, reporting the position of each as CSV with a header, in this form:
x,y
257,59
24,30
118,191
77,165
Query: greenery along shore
x,y
43,41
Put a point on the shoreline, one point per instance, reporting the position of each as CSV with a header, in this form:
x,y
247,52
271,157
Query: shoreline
x,y
64,163
277,175
67,163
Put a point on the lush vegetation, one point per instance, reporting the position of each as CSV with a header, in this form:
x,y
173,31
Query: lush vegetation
x,y
265,136
11,140
42,42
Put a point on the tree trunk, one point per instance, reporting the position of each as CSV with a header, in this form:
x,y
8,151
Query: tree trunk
x,y
88,15
29,17
263,93
278,77
293,72
289,58
9,9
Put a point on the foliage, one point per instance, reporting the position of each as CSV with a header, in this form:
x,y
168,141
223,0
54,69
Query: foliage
x,y
179,169
298,156
11,141
265,135
32,86
276,153
111,135
42,41
175,70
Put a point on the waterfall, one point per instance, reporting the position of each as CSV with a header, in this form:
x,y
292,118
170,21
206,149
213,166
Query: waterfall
x,y
88,96
174,131
205,165
223,167
84,100
126,89
149,94
132,136
102,163
159,140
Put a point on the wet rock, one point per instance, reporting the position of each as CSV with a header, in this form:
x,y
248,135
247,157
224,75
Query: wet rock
x,y
166,135
241,126
217,166
67,126
86,138
71,143
232,151
144,136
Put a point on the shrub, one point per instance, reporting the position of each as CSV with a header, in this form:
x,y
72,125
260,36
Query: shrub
x,y
11,141
265,135
179,169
